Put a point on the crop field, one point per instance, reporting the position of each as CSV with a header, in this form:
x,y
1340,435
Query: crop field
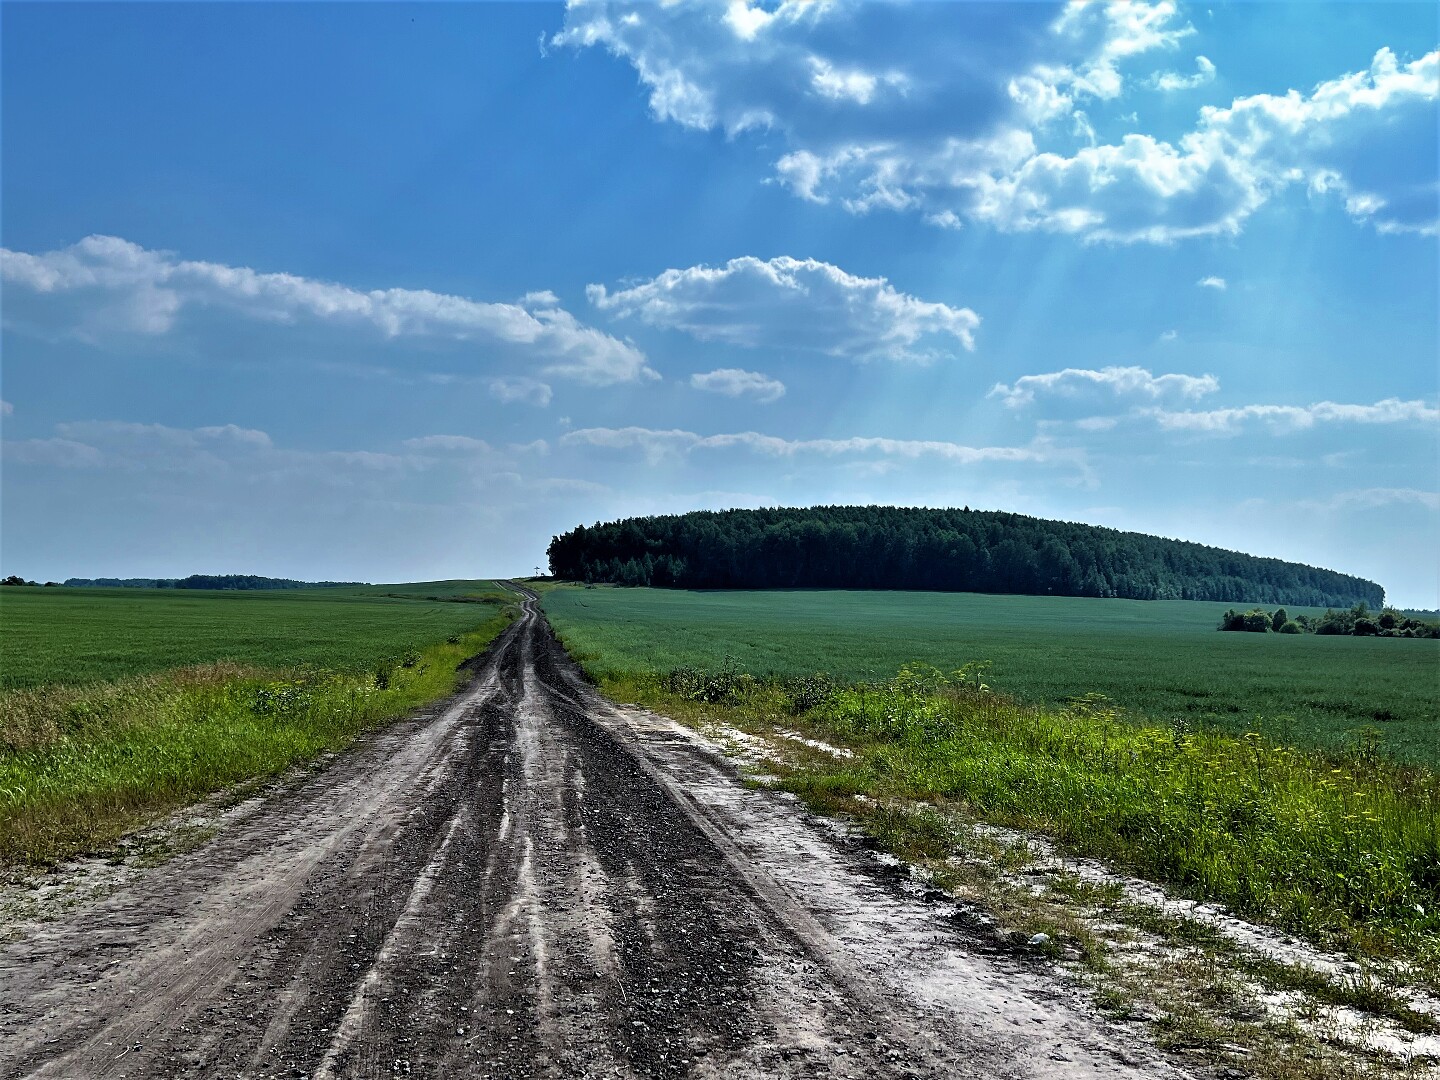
x,y
1336,842
78,636
122,704
1162,660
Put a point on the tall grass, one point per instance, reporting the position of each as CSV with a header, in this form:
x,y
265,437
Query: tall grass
x,y
80,766
1342,849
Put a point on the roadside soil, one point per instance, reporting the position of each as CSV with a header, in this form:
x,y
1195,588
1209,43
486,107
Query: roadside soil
x,y
530,882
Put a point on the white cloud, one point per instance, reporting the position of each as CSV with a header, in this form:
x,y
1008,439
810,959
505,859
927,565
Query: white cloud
x,y
1170,81
6,408
458,443
1213,282
932,110
1371,498
519,389
245,454
57,453
657,444
1295,417
734,382
1363,136
795,304
122,288
1112,381
123,431
1169,335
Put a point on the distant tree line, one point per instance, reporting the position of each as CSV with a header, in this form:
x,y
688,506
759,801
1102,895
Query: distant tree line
x,y
888,547
1358,621
204,581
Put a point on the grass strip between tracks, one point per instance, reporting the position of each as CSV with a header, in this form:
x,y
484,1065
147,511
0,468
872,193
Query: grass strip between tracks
x,y
81,766
1344,851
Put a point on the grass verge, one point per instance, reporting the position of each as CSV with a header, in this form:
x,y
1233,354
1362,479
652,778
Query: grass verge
x,y
1344,851
987,799
81,766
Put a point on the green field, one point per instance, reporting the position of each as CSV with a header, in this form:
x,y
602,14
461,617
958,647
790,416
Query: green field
x,y
79,636
1158,659
120,705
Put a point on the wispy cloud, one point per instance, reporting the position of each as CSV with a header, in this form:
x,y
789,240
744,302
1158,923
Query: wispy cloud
x,y
1213,282
657,444
1295,417
114,287
734,382
1119,382
1170,81
510,390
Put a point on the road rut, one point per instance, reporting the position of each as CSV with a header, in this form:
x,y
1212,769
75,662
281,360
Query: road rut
x,y
530,881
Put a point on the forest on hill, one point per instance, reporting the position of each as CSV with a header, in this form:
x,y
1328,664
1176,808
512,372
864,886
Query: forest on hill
x,y
890,547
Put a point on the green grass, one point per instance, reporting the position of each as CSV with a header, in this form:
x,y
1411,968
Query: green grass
x,y
1161,660
79,636
202,691
1345,854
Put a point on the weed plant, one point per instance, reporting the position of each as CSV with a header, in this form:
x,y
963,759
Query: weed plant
x,y
80,766
1343,849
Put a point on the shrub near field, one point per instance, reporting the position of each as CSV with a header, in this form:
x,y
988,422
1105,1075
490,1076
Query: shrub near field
x,y
91,635
82,765
1160,659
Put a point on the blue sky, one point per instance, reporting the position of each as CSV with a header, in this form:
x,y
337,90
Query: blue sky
x,y
396,292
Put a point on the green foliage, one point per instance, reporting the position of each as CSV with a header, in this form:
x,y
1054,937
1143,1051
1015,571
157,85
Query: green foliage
x,y
1342,850
1356,622
888,547
94,635
1160,660
1254,621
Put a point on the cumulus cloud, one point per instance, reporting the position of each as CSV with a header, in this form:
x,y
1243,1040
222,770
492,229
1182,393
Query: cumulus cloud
x,y
940,111
1119,382
795,304
1295,417
120,287
735,382
1365,137
1213,282
658,444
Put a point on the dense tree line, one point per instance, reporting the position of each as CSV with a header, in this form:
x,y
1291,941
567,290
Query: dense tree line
x,y
204,581
888,547
1358,621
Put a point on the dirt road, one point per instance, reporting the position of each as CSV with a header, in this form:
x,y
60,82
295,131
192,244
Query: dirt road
x,y
524,882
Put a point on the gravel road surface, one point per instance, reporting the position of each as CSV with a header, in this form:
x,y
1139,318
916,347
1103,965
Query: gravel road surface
x,y
529,881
